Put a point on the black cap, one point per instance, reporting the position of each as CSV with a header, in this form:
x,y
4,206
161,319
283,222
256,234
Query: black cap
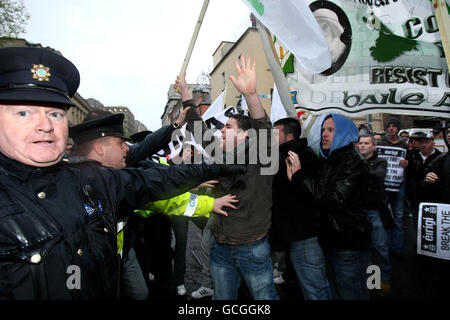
x,y
36,75
110,125
139,136
393,121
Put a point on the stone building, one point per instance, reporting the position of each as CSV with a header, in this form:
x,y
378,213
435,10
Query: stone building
x,y
201,95
129,123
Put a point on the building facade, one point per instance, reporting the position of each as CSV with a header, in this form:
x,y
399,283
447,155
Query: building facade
x,y
201,94
129,123
249,44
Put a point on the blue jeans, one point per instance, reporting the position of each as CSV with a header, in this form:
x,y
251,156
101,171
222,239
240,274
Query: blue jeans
x,y
347,272
380,245
396,200
229,264
309,264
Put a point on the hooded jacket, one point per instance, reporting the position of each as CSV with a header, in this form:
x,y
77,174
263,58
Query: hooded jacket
x,y
340,191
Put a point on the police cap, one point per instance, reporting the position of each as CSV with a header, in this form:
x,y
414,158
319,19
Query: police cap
x,y
36,75
110,125
422,135
140,136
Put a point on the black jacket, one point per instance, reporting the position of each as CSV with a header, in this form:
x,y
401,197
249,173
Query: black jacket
x,y
294,216
440,190
340,192
376,197
415,173
60,219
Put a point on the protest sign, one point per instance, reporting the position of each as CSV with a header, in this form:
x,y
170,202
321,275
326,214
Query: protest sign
x,y
394,174
433,236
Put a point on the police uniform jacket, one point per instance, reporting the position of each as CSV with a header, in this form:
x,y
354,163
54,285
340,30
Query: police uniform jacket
x,y
57,224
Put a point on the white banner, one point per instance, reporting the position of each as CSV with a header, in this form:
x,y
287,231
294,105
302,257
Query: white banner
x,y
387,57
394,172
433,236
277,110
293,23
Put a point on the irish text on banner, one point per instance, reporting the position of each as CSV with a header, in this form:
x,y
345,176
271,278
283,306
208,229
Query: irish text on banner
x,y
394,173
433,236
386,57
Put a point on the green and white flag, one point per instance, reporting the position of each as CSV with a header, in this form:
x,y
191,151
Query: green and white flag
x,y
293,23
386,56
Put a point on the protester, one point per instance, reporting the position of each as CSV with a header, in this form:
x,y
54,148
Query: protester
x,y
378,137
418,161
437,179
205,289
435,188
396,199
44,253
438,131
340,192
294,214
180,223
378,211
404,135
240,248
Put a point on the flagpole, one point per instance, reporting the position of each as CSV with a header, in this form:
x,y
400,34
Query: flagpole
x,y
308,127
194,37
277,72
443,20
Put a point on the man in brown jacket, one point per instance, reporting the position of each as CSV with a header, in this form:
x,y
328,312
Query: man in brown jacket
x,y
240,248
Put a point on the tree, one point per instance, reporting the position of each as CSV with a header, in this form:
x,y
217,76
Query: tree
x,y
13,18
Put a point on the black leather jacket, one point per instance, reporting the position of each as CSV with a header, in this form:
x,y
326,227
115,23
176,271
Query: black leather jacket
x,y
340,193
57,224
440,190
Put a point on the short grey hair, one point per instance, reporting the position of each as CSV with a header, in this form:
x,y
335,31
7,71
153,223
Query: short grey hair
x,y
374,141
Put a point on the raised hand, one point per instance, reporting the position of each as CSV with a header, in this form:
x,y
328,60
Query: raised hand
x,y
245,81
181,86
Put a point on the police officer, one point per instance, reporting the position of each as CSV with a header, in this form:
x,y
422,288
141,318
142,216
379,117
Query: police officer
x,y
57,221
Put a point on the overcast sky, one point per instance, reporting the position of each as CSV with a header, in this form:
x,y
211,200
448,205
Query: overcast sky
x,y
129,52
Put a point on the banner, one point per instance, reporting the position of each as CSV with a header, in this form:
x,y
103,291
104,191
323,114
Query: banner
x,y
394,172
293,23
277,110
433,236
386,56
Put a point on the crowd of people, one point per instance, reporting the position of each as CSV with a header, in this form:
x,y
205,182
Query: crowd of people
x,y
108,218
